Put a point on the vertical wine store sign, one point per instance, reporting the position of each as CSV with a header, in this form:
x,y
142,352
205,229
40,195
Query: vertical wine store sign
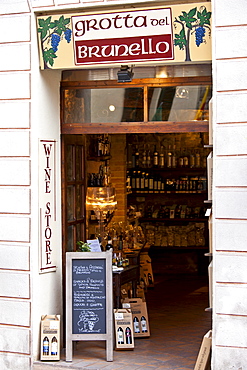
x,y
47,205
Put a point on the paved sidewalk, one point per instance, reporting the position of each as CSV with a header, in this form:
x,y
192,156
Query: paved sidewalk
x,y
178,322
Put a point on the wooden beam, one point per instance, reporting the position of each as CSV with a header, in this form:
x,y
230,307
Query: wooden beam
x,y
135,127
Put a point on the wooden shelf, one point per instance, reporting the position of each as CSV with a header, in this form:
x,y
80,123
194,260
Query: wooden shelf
x,y
172,220
143,192
182,170
101,158
178,248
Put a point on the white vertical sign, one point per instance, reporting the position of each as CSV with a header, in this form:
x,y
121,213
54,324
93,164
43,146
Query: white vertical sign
x,y
47,204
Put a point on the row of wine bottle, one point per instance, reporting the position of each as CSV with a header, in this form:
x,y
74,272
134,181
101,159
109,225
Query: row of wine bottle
x,y
137,329
102,178
46,346
100,145
121,337
165,157
141,180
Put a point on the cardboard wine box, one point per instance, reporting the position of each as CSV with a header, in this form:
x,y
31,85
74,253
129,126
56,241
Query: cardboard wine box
x,y
146,271
124,333
50,338
203,358
139,316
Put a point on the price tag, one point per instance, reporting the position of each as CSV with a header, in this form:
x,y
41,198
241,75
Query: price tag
x,y
54,324
126,305
119,316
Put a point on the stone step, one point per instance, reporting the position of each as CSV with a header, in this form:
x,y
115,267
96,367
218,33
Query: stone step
x,y
40,365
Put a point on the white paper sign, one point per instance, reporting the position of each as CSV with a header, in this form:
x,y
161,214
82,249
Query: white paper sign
x,y
94,245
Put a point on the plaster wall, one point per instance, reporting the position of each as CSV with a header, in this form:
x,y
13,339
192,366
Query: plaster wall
x,y
29,111
230,185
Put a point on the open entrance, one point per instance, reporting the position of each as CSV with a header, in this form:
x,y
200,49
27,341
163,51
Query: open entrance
x,y
149,141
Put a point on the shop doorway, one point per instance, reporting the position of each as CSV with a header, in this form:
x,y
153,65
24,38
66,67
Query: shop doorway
x,y
134,123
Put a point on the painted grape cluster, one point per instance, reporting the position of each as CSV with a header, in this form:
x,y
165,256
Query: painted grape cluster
x,y
200,33
55,39
67,34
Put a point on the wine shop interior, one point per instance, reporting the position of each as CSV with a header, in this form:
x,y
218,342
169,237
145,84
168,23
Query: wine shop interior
x,y
142,191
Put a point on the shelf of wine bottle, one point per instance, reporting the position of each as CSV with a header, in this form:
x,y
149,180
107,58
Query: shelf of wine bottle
x,y
172,220
134,192
169,248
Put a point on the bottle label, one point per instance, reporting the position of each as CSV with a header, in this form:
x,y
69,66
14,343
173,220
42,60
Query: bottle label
x,y
144,326
46,347
136,327
54,348
120,337
156,160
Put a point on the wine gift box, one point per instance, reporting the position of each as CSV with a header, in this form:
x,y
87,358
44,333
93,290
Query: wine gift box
x,y
139,316
146,271
203,358
123,329
50,338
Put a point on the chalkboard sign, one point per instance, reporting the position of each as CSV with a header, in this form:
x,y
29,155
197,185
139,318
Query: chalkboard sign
x,y
89,314
88,296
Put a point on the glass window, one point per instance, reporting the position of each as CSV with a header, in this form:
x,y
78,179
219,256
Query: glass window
x,y
178,103
70,202
107,105
70,243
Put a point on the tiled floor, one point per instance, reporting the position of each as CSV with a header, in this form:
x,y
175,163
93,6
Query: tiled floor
x,y
177,320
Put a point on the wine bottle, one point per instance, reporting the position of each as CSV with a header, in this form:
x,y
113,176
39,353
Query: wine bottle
x,y
128,336
133,180
99,146
198,159
93,216
146,183
144,324
169,157
148,158
192,160
120,336
162,157
136,325
151,183
46,346
174,157
114,259
138,180
120,243
54,346
142,184
155,157
144,158
109,243
137,155
186,159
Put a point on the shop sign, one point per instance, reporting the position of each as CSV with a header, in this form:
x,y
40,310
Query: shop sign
x,y
179,33
123,37
47,205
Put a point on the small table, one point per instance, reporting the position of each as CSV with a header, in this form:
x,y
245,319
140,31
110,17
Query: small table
x,y
128,274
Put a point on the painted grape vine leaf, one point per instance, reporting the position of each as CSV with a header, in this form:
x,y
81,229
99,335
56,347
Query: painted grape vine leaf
x,y
51,34
195,21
